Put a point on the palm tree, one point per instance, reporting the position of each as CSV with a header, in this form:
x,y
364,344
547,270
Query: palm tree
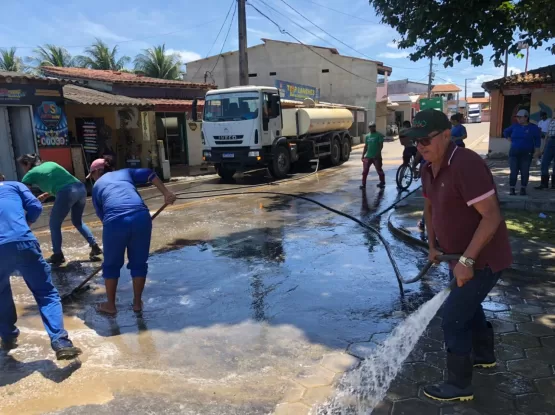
x,y
156,63
52,55
10,62
99,56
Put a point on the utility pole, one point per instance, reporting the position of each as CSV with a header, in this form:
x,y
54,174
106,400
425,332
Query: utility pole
x,y
430,75
506,62
243,56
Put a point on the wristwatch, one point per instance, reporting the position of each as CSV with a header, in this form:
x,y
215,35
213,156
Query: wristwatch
x,y
467,262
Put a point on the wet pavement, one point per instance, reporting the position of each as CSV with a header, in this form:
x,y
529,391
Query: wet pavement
x,y
253,304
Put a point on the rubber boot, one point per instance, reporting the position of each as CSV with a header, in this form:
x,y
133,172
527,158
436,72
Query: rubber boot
x,y
523,191
544,183
8,343
553,181
482,346
56,260
458,386
513,192
95,252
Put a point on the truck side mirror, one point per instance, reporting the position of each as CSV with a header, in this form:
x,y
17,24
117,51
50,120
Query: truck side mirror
x,y
194,113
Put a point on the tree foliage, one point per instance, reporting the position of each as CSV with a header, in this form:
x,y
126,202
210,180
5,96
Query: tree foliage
x,y
52,55
157,63
9,61
453,29
99,56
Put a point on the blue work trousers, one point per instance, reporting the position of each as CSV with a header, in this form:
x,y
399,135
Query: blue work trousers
x,y
519,162
463,313
69,198
129,232
548,156
26,257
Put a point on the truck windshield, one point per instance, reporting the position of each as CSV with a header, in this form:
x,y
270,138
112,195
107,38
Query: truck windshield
x,y
231,107
474,112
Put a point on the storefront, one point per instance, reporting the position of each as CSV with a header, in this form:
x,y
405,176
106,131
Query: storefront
x,y
32,120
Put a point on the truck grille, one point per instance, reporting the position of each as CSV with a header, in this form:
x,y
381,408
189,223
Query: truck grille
x,y
228,142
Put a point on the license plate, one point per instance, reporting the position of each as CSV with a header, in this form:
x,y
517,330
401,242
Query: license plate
x,y
228,155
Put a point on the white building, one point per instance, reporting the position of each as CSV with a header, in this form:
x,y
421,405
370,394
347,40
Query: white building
x,y
295,63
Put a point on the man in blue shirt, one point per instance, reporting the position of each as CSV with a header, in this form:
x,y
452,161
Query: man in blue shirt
x,y
20,251
525,139
458,131
126,226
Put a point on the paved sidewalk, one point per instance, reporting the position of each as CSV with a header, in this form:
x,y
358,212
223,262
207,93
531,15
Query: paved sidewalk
x,y
537,200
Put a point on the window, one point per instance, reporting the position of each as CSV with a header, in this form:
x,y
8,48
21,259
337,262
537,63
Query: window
x,y
253,75
268,108
325,71
273,73
231,106
449,97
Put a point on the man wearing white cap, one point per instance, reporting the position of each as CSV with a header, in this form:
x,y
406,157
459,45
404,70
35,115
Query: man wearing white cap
x,y
525,139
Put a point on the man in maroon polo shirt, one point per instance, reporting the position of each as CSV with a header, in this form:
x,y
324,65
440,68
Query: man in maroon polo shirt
x,y
462,217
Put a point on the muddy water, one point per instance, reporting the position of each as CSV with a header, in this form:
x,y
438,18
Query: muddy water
x,y
242,295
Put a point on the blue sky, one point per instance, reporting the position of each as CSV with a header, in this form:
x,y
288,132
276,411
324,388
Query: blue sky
x,y
190,27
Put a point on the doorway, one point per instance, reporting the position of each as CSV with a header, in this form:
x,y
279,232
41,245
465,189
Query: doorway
x,y
511,105
17,137
170,127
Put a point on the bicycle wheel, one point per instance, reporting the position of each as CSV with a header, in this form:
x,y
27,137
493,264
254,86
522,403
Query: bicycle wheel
x,y
404,176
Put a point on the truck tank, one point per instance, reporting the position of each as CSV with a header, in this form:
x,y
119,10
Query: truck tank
x,y
315,120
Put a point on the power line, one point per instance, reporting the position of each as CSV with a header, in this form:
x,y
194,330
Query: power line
x,y
326,32
322,56
122,41
340,12
216,39
225,40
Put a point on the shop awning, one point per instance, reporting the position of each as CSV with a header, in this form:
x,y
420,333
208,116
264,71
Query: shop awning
x,y
87,96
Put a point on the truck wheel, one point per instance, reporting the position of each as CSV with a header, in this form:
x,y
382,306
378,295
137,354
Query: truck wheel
x,y
281,163
225,173
335,157
345,149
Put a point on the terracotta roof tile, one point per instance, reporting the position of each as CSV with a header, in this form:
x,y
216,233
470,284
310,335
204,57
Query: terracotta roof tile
x,y
118,77
477,100
27,76
87,96
543,75
446,88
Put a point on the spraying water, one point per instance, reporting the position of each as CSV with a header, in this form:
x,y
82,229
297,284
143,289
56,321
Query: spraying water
x,y
362,389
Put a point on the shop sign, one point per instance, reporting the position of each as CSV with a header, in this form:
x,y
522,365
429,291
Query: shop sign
x,y
296,92
50,125
11,94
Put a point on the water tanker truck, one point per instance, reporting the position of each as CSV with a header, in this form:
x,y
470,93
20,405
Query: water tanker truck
x,y
245,128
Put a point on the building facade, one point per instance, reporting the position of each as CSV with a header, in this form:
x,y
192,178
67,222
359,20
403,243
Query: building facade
x,y
404,86
314,66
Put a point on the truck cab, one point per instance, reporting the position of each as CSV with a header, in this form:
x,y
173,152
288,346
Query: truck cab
x,y
474,113
240,128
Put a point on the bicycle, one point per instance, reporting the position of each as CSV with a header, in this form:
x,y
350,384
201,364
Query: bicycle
x,y
406,175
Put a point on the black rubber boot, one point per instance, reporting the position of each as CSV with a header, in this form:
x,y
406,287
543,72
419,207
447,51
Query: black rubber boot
x,y
482,345
544,183
8,343
513,192
523,191
56,260
553,181
95,252
458,386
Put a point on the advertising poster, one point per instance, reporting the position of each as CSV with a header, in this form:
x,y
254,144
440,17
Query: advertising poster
x,y
296,92
50,125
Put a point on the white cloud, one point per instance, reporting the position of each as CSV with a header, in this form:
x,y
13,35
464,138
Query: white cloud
x,y
260,33
184,55
475,84
392,45
369,35
394,55
98,30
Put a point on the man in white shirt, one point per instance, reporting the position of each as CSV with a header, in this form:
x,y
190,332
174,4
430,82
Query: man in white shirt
x,y
548,158
543,123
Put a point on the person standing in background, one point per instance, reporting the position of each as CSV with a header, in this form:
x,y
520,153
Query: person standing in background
x,y
525,139
372,154
458,131
543,123
548,157
71,195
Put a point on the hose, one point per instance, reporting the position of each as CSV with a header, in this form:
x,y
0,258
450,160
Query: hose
x,y
399,276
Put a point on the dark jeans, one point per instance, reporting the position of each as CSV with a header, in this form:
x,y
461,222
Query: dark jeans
x,y
519,162
548,156
463,313
26,257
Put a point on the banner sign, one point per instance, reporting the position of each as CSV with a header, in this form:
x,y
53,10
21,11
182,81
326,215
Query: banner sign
x,y
50,125
296,92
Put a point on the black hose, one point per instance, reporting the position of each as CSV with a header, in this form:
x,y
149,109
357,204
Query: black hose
x,y
375,231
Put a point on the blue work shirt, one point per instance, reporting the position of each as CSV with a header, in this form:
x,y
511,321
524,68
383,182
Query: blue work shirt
x,y
457,132
524,137
17,207
115,194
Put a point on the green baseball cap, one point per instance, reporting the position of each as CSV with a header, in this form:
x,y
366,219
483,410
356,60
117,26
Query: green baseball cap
x,y
426,122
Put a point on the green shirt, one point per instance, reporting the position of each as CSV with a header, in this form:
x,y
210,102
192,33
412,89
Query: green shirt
x,y
50,177
373,141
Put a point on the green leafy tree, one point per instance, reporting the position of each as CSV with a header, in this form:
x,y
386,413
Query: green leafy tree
x,y
9,61
453,30
156,63
100,56
52,55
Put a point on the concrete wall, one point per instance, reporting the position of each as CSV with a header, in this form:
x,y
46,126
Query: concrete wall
x,y
406,87
296,63
405,107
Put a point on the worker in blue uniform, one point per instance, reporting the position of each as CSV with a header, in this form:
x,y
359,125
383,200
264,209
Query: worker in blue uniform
x,y
126,226
20,251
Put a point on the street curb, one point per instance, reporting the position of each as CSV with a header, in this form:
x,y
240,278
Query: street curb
x,y
405,236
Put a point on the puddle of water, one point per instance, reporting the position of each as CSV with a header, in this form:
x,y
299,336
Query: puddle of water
x,y
362,389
